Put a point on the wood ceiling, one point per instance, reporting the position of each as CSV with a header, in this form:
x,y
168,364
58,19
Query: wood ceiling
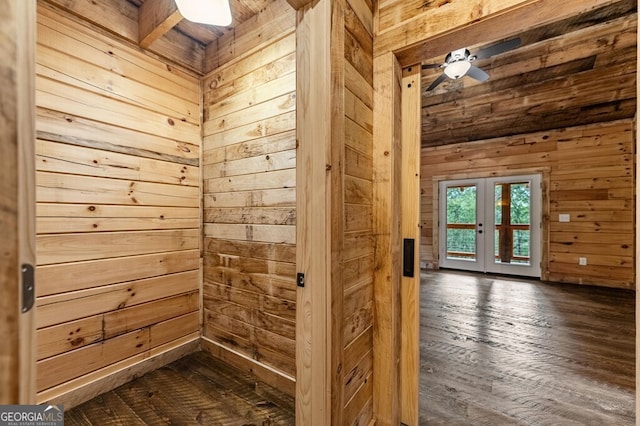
x,y
241,11
156,25
577,71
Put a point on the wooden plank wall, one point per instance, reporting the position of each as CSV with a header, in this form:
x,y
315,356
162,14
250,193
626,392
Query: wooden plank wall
x,y
590,177
118,205
358,250
249,169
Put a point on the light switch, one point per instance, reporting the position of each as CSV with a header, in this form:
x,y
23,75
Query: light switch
x,y
582,261
563,217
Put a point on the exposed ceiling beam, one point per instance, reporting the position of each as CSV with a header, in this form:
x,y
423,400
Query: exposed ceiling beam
x,y
447,28
298,4
156,18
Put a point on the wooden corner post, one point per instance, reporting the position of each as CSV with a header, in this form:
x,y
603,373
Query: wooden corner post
x,y
17,200
387,162
319,230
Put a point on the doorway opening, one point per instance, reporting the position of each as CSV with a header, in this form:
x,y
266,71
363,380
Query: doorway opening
x,y
568,244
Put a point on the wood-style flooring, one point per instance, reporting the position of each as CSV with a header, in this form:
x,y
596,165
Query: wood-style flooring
x,y
494,351
195,390
507,351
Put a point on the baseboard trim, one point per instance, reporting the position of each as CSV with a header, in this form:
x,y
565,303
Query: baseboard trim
x,y
82,389
262,372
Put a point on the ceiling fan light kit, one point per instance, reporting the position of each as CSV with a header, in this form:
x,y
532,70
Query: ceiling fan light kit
x,y
458,63
211,12
457,70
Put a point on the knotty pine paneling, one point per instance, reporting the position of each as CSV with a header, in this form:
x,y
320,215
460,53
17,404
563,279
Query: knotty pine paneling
x,y
590,178
249,173
358,250
118,205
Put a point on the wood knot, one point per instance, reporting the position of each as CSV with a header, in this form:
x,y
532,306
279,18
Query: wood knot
x,y
171,122
77,341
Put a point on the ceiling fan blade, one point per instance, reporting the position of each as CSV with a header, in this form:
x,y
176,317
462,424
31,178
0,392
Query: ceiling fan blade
x,y
477,74
430,66
498,48
436,82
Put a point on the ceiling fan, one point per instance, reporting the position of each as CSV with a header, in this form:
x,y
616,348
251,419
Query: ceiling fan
x,y
459,63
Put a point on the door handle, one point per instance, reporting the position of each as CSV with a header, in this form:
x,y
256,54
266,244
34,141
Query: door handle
x,y
408,264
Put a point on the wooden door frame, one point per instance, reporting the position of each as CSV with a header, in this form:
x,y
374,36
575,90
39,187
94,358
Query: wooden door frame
x,y
422,37
637,233
410,228
17,215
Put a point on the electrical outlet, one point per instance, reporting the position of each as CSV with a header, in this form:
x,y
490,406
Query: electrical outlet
x,y
582,261
564,217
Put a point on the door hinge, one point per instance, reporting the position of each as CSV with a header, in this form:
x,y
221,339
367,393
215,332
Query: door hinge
x,y
28,287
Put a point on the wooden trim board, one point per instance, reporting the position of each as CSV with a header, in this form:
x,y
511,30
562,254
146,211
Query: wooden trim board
x,y
77,391
637,234
281,381
25,86
410,286
386,228
17,202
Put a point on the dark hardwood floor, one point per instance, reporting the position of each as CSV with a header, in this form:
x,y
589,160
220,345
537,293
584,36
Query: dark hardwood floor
x,y
196,390
494,351
507,351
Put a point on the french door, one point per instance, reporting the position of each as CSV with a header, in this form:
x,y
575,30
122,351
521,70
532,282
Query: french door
x,y
491,225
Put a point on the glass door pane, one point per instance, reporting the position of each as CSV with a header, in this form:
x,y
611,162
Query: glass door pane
x,y
516,217
461,222
461,237
512,212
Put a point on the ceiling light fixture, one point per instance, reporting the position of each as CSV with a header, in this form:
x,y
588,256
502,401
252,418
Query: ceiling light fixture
x,y
212,12
457,69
